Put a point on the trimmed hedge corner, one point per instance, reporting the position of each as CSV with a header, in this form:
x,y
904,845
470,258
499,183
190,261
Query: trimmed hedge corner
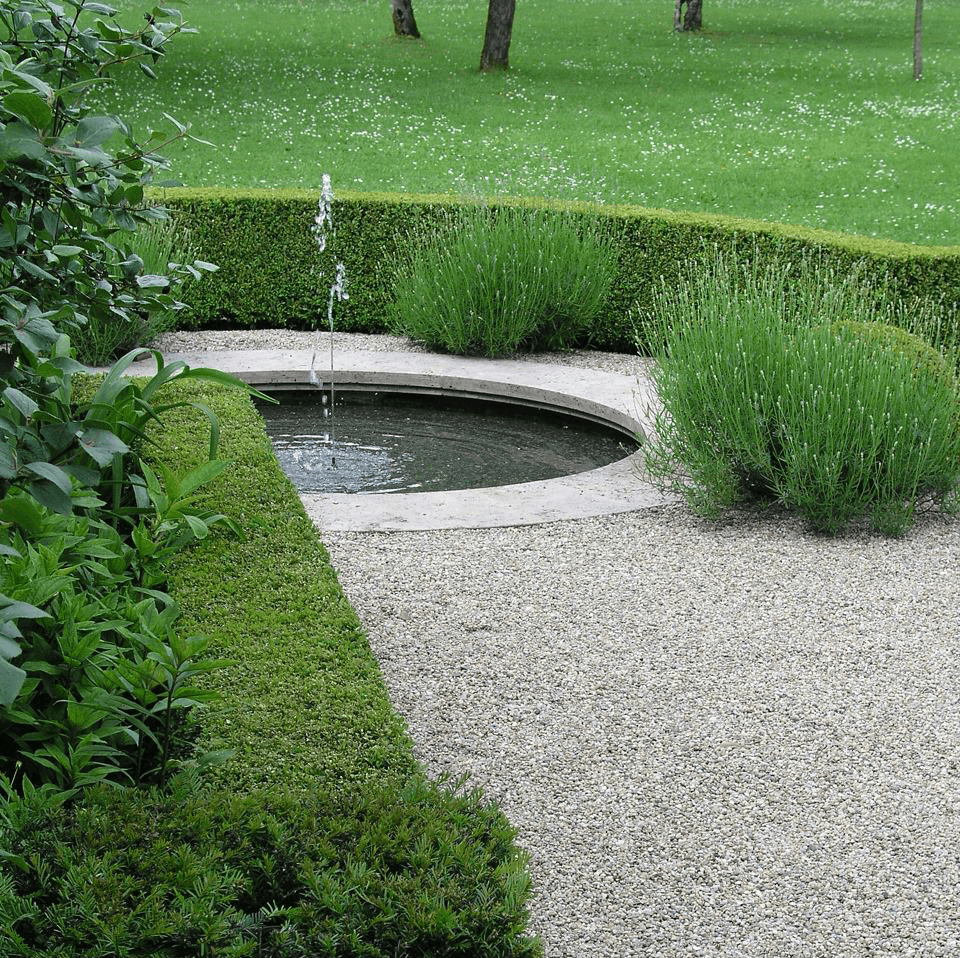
x,y
272,274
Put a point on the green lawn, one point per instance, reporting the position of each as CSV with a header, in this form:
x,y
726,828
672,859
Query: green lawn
x,y
802,111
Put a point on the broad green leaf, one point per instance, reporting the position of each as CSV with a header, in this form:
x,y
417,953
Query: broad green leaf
x,y
87,502
109,30
9,649
98,550
11,681
8,465
22,512
88,41
47,668
152,281
35,334
93,130
200,476
58,366
51,757
197,526
43,327
11,609
20,401
102,446
81,716
38,84
90,155
52,473
51,496
62,249
58,437
34,270
18,140
29,107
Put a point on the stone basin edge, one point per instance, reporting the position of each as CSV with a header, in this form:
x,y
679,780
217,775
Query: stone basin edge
x,y
617,400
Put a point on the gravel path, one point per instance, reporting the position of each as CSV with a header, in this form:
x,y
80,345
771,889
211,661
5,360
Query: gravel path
x,y
736,740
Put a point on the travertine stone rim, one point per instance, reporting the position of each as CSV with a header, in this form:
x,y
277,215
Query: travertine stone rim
x,y
621,401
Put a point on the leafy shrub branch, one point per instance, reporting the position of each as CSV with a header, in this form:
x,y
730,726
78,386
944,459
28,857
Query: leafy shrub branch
x,y
92,669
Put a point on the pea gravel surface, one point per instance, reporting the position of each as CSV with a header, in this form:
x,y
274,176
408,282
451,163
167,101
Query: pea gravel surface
x,y
716,740
732,739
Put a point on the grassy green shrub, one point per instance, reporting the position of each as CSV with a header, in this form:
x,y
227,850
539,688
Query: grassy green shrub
x,y
99,676
763,400
92,667
423,871
72,182
107,678
257,288
162,248
492,281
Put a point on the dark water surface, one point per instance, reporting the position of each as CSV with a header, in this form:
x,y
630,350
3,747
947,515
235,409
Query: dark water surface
x,y
394,442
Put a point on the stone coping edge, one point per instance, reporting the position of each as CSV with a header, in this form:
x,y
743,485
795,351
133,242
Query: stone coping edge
x,y
621,401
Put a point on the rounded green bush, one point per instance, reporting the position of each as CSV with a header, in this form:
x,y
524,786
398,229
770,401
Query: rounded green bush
x,y
839,421
924,358
491,281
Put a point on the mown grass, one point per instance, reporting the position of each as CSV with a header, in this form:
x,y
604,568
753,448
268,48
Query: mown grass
x,y
798,112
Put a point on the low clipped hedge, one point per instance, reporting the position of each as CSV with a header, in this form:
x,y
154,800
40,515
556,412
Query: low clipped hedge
x,y
273,276
322,836
126,874
305,701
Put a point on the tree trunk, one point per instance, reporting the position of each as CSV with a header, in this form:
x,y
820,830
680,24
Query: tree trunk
x,y
692,18
917,36
404,23
496,39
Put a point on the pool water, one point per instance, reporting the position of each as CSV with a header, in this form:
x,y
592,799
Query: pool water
x,y
385,441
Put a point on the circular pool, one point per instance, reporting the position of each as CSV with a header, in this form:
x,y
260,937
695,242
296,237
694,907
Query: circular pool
x,y
386,441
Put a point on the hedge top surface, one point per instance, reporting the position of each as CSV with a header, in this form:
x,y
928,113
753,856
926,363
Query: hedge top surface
x,y
855,242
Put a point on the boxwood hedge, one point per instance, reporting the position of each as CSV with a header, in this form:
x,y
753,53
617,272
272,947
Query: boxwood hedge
x,y
272,274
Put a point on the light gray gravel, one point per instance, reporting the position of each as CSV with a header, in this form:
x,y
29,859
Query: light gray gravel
x,y
736,740
188,341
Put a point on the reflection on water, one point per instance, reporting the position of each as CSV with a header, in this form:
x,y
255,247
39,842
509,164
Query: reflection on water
x,y
390,442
